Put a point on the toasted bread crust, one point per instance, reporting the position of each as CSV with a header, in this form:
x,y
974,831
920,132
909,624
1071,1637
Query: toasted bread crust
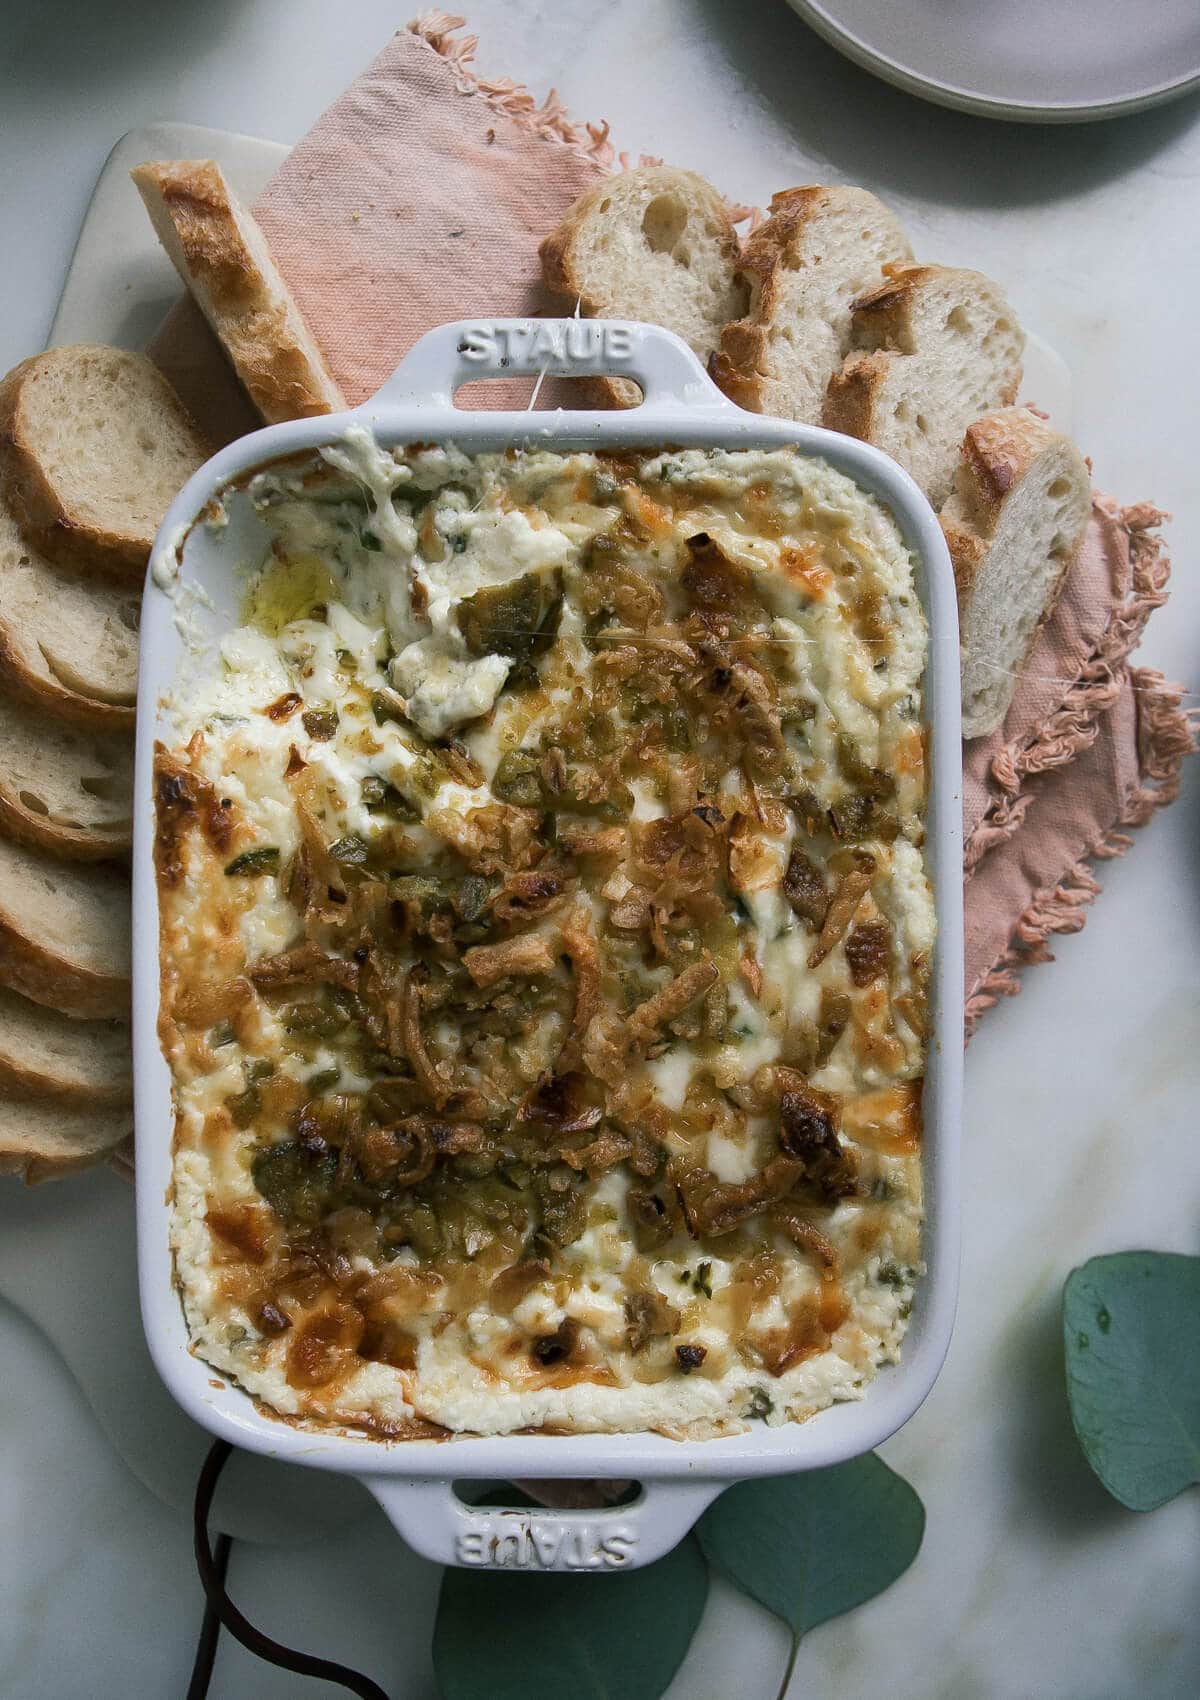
x,y
968,551
997,451
197,220
49,1056
740,365
850,400
17,1078
882,317
36,503
878,315
70,843
38,691
26,966
36,1134
560,276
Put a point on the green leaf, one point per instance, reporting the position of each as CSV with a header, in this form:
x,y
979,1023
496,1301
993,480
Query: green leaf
x,y
1133,1372
812,1546
556,1637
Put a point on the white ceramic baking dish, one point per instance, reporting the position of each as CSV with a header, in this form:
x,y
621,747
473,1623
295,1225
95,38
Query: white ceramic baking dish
x,y
414,1480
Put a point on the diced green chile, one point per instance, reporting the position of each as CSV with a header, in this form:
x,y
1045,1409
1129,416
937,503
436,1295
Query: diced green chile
x,y
516,779
805,889
421,889
380,796
562,1210
651,1220
296,1180
322,1020
264,861
387,705
831,1023
244,1107
321,724
351,851
471,898
518,619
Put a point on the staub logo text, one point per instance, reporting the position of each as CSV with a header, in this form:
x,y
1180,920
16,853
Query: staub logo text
x,y
570,343
510,1543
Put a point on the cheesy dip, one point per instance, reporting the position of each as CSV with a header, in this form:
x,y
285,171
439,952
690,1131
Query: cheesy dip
x,y
545,943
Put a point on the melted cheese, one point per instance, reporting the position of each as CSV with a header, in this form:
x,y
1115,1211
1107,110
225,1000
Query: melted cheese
x,y
401,541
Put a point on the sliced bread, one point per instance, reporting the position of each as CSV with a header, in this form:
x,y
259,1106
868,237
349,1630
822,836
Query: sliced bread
x,y
655,244
805,267
40,1139
64,933
935,349
221,254
65,788
1021,500
47,1055
67,646
94,445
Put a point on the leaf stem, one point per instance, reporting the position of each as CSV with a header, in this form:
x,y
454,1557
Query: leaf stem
x,y
791,1665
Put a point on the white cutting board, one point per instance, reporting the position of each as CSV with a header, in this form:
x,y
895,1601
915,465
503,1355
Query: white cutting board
x,y
120,282
67,1251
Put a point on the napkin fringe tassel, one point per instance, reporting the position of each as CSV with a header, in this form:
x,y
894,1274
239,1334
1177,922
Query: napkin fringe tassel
x,y
1075,724
442,31
1167,733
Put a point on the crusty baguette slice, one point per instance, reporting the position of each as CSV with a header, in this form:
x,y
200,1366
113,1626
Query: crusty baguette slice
x,y
94,445
64,933
805,267
67,646
40,1139
221,254
47,1055
655,244
935,349
1021,500
65,788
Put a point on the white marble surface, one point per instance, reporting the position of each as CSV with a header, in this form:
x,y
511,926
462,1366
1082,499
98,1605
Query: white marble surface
x,y
1080,1096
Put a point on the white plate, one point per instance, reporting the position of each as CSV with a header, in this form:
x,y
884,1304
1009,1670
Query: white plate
x,y
1035,61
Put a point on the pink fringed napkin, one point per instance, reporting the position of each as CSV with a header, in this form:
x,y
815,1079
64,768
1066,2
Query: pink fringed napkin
x,y
1090,748
421,196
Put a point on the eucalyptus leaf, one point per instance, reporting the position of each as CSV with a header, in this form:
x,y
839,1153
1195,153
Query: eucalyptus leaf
x,y
1130,1327
560,1637
812,1546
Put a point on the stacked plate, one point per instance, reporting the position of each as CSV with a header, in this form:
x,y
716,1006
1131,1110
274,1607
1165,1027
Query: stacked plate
x,y
1034,61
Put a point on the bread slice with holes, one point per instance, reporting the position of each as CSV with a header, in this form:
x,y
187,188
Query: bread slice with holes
x,y
222,255
47,1055
805,267
67,789
934,349
655,244
1021,500
40,1138
68,647
94,445
64,932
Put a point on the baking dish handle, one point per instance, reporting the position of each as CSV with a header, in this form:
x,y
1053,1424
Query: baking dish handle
x,y
435,1522
461,353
